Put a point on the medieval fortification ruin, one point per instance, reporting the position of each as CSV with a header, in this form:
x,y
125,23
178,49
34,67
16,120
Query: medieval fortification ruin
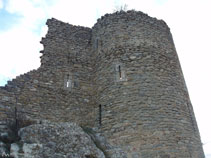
x,y
122,77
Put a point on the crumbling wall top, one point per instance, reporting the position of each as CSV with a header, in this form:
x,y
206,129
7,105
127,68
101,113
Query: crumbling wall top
x,y
60,31
130,15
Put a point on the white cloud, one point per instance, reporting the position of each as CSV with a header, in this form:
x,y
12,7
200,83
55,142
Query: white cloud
x,y
81,12
33,13
1,4
18,56
207,149
69,11
20,45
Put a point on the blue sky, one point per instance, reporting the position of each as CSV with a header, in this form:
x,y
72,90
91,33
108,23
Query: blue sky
x,y
22,24
7,20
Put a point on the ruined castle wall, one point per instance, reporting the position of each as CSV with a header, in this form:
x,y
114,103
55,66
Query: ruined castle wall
x,y
122,76
71,47
44,92
145,104
5,98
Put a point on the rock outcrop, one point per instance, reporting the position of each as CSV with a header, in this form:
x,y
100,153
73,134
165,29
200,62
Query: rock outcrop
x,y
60,140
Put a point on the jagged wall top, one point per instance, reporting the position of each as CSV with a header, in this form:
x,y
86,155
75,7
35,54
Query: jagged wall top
x,y
62,32
66,30
63,43
130,15
130,29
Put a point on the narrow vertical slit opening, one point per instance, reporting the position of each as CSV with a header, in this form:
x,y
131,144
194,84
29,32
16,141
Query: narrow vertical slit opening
x,y
120,72
100,114
68,82
68,59
97,44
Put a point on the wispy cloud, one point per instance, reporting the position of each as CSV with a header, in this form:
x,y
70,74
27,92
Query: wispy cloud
x,y
33,12
1,4
18,56
20,46
8,20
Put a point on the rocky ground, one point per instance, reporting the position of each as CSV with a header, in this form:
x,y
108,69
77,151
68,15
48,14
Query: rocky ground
x,y
56,140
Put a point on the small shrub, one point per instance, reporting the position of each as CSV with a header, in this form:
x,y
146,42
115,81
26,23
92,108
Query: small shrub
x,y
122,8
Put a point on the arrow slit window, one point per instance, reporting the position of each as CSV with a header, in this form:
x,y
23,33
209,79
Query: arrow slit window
x,y
100,115
120,72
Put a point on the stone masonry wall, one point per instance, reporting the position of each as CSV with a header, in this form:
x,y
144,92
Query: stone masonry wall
x,y
44,92
122,76
147,111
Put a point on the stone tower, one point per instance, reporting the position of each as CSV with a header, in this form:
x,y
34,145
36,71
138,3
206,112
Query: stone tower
x,y
140,85
122,77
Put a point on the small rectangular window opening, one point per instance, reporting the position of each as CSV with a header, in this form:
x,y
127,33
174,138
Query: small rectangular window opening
x,y
68,84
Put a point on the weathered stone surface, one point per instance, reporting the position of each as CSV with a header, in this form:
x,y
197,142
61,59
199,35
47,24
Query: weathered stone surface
x,y
3,149
51,140
101,142
148,114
